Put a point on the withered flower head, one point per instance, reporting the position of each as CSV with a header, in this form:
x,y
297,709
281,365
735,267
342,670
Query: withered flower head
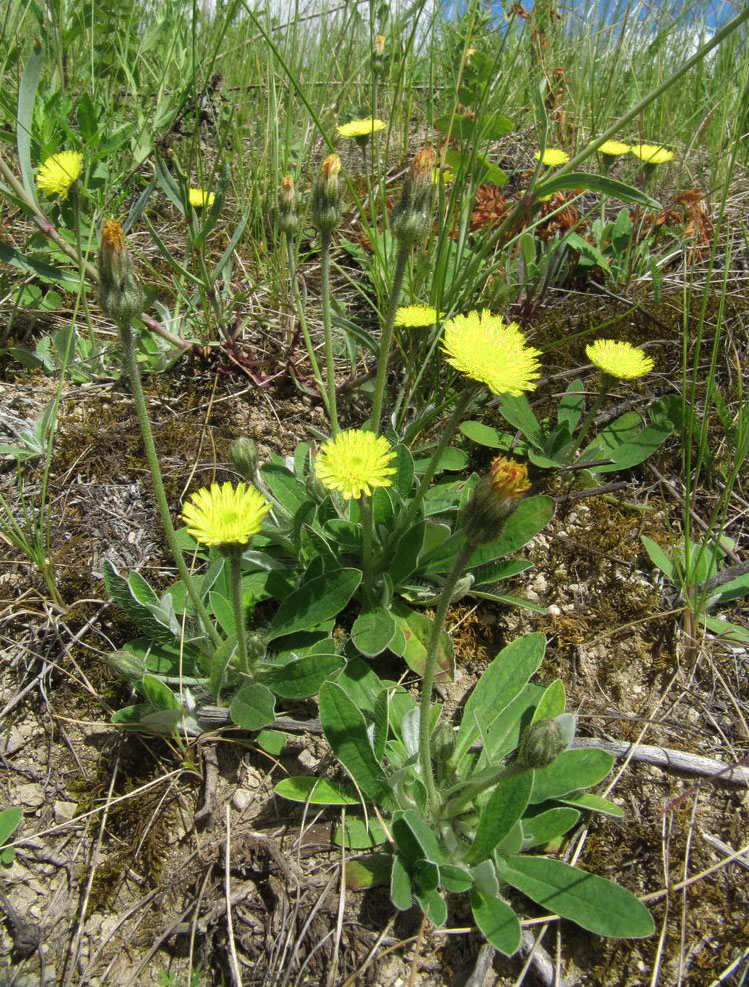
x,y
287,216
120,297
413,214
326,196
495,498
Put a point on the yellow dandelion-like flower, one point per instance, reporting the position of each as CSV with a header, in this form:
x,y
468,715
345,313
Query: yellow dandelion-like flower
x,y
621,360
416,316
614,148
354,463
225,514
444,175
487,349
199,198
360,128
652,154
552,157
57,174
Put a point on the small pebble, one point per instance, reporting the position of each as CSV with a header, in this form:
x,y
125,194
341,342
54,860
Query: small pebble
x,y
241,799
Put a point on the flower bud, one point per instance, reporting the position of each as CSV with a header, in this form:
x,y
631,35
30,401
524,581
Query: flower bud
x,y
495,498
540,743
379,45
257,647
127,665
243,454
326,196
120,297
413,214
287,216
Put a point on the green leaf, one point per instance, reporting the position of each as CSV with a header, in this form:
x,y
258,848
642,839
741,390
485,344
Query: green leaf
x,y
660,560
271,741
495,572
571,770
9,822
587,250
406,556
471,128
505,806
401,894
253,707
356,834
518,412
485,435
546,826
373,631
503,680
497,922
572,405
159,695
594,183
315,601
592,902
433,905
368,872
25,117
594,803
404,470
635,451
346,731
285,487
302,677
139,602
724,629
414,837
455,878
502,732
416,628
552,703
315,791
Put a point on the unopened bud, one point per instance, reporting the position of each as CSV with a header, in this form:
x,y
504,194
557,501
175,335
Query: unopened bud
x,y
243,453
379,45
287,217
326,196
256,647
442,744
496,496
540,743
412,216
120,296
127,665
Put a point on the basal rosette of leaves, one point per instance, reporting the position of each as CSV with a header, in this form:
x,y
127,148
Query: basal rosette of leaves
x,y
510,790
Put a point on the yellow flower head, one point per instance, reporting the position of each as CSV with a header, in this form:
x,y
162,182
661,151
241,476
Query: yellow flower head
x,y
354,463
57,174
509,478
553,157
652,154
379,45
198,198
613,148
484,347
444,175
416,316
360,128
225,514
621,360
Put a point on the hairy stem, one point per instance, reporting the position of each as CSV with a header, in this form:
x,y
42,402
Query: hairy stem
x,y
386,336
139,399
327,329
427,682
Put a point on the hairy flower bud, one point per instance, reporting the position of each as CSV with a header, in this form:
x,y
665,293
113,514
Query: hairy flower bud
x,y
287,216
326,196
413,214
243,454
257,647
120,297
442,745
379,45
540,743
495,498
